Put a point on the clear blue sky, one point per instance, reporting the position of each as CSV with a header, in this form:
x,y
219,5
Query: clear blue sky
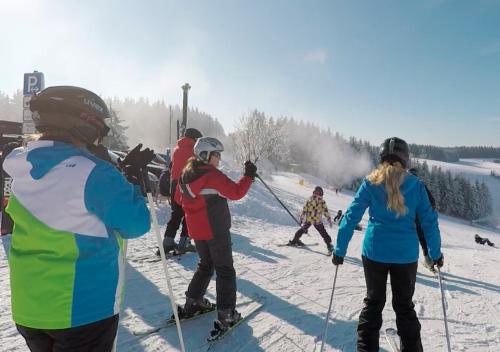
x,y
427,70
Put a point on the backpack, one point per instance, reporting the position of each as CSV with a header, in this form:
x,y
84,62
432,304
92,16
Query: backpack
x,y
165,183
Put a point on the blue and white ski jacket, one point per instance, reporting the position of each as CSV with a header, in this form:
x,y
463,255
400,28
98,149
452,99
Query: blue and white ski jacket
x,y
388,238
70,211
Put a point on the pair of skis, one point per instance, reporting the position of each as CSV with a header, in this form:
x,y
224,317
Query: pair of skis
x,y
305,246
391,335
219,331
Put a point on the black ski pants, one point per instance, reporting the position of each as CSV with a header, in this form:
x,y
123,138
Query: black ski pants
x,y
403,277
176,218
98,336
321,229
215,254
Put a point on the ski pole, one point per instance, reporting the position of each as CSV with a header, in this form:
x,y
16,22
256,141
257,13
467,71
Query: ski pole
x,y
124,263
329,309
163,257
444,310
275,196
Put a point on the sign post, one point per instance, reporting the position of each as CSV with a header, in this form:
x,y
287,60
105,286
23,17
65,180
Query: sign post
x,y
33,83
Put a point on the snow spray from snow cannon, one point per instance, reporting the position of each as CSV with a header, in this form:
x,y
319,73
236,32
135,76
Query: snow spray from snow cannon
x,y
156,228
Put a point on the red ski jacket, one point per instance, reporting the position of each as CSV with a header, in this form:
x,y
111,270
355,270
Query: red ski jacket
x,y
203,193
182,152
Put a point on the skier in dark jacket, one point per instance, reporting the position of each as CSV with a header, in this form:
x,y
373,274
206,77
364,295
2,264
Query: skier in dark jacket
x,y
338,217
390,247
421,238
203,191
182,152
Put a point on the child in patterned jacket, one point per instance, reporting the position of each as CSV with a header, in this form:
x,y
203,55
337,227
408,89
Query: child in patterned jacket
x,y
312,214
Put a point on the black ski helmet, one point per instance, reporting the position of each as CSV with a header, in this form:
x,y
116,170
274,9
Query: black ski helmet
x,y
73,109
395,149
413,171
193,133
318,190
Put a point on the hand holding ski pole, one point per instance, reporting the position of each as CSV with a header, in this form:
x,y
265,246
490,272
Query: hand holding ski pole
x,y
135,163
337,260
438,262
250,169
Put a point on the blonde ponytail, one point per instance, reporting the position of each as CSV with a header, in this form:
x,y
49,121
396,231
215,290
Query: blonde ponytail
x,y
392,176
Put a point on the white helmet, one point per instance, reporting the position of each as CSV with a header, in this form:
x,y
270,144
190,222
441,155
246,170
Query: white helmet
x,y
206,145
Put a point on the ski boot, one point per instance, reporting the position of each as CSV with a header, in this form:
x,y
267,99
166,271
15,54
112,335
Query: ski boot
x,y
185,246
489,243
168,246
228,317
296,242
197,306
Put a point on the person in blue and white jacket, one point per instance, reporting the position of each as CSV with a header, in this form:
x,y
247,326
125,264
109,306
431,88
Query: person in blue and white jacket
x,y
390,247
71,211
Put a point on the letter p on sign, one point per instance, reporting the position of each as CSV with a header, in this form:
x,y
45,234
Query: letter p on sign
x,y
33,83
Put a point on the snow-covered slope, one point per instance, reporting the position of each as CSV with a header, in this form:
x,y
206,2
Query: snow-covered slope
x,y
297,285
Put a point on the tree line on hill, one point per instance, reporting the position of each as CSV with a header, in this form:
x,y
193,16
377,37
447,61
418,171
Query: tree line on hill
x,y
288,144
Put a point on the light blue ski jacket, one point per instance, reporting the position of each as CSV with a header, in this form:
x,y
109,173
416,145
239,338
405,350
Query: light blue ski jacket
x,y
388,238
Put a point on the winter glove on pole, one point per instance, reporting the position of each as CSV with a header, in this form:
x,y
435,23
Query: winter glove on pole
x,y
250,169
439,262
337,260
135,164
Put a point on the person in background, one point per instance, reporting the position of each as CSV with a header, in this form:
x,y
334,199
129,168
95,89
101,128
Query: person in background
x,y
428,263
312,214
390,247
182,152
203,191
338,217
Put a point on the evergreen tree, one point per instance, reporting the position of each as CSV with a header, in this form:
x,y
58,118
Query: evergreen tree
x,y
116,138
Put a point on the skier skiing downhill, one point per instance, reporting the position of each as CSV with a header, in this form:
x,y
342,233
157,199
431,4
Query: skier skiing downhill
x,y
421,238
203,191
312,214
390,247
72,211
182,152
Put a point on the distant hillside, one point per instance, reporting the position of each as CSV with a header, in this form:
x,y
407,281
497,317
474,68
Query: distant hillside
x,y
453,154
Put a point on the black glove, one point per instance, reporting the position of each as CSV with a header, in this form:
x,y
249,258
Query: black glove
x,y
134,165
250,169
439,262
337,260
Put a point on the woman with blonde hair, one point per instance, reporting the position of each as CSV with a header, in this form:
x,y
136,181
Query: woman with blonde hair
x,y
390,247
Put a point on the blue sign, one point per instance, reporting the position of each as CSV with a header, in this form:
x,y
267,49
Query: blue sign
x,y
33,83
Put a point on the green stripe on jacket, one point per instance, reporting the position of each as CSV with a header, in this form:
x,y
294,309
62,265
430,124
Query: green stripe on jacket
x,y
42,271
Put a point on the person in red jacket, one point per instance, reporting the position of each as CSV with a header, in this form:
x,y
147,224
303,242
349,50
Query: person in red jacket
x,y
203,191
182,152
